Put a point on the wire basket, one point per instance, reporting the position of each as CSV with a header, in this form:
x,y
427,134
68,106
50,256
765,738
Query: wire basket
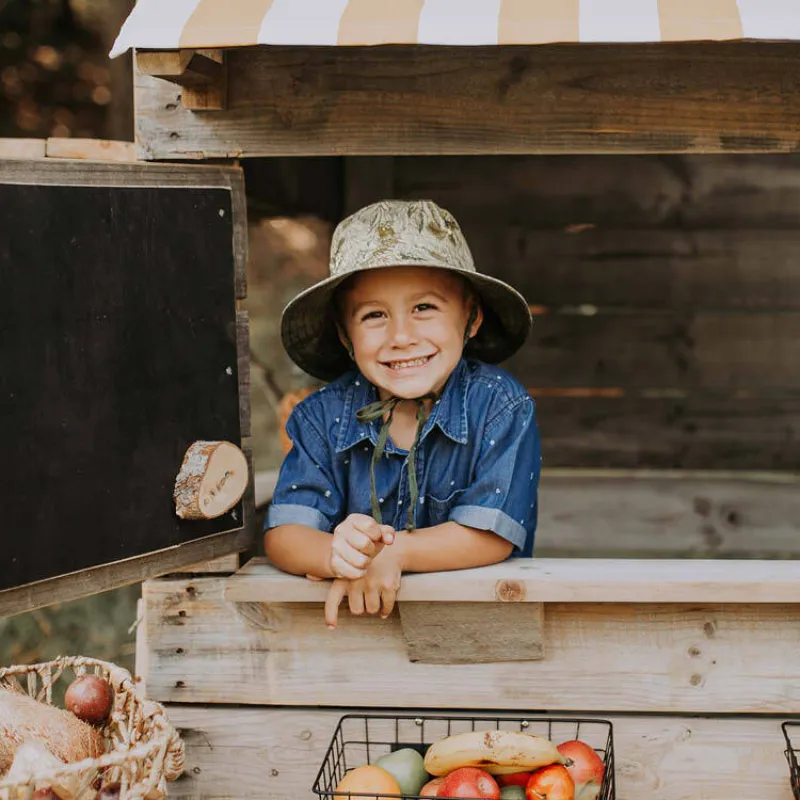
x,y
792,753
362,739
142,749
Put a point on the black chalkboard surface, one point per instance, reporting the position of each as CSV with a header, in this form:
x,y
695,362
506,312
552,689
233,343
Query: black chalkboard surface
x,y
117,351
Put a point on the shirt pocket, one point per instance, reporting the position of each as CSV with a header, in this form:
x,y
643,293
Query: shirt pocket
x,y
439,509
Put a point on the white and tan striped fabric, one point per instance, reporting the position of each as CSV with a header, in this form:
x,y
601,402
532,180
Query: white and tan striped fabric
x,y
167,24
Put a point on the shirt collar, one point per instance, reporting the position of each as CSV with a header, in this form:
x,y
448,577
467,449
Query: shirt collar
x,y
449,411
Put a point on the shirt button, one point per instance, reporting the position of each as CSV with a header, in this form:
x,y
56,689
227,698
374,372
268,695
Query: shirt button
x,y
497,491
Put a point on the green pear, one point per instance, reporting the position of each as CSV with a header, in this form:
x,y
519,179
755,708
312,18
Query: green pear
x,y
408,769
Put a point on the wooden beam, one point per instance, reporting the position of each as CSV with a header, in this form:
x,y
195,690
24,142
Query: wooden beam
x,y
275,753
473,633
687,657
22,148
559,580
638,98
91,149
201,73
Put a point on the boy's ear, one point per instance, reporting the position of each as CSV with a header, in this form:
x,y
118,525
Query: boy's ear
x,y
345,340
476,315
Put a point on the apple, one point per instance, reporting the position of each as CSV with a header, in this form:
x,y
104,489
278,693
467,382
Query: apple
x,y
469,782
550,783
431,788
585,766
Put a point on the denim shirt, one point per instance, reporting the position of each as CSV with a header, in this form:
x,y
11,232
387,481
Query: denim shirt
x,y
477,461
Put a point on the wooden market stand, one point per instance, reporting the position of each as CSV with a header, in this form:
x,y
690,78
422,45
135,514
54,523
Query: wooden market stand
x,y
694,661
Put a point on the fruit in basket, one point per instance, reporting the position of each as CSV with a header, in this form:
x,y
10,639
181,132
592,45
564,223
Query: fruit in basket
x,y
66,737
34,763
585,767
90,698
431,788
369,779
513,792
407,767
469,782
495,751
514,779
550,783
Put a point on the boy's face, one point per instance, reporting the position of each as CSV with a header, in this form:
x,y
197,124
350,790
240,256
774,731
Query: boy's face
x,y
407,327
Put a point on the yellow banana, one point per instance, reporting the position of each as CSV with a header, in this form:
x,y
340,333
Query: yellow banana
x,y
495,751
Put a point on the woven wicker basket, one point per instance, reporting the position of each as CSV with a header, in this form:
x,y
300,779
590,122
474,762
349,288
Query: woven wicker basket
x,y
143,751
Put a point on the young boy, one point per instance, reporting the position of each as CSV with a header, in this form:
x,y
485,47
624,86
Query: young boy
x,y
418,457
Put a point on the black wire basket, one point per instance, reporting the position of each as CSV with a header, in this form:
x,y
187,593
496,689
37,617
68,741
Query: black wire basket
x,y
792,752
361,739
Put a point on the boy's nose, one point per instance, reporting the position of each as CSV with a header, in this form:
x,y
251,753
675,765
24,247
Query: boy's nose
x,y
402,334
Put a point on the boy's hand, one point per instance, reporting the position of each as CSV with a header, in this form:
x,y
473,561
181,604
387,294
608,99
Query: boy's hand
x,y
375,593
356,541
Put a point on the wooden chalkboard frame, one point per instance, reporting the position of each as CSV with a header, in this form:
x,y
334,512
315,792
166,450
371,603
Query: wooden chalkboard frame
x,y
111,575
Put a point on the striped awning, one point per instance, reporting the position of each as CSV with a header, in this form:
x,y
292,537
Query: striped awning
x,y
169,24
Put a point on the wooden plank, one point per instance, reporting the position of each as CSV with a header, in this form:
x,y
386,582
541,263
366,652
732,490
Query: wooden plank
x,y
674,269
210,95
243,368
561,580
693,192
473,633
91,149
111,576
675,430
367,180
599,656
720,97
703,350
224,564
276,752
624,514
22,148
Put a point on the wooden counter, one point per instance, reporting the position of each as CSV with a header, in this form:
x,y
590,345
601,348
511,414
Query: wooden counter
x,y
693,661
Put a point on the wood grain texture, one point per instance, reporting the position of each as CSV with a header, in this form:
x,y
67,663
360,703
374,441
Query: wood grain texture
x,y
559,580
675,430
719,97
275,752
694,192
623,514
225,565
243,368
472,633
702,350
111,576
691,657
90,149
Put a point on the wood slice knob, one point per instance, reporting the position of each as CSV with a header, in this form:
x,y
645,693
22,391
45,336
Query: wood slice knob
x,y
212,479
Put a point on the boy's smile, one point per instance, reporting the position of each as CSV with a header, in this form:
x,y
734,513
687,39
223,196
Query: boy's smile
x,y
407,325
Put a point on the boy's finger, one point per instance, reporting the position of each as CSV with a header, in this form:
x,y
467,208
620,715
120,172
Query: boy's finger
x,y
367,525
387,534
332,602
354,557
343,569
388,597
355,595
372,601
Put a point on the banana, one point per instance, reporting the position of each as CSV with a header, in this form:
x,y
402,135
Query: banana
x,y
495,751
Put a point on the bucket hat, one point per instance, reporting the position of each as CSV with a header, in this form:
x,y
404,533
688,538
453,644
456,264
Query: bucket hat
x,y
398,233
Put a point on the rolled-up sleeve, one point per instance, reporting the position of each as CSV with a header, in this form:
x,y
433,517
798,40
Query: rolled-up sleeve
x,y
503,498
306,492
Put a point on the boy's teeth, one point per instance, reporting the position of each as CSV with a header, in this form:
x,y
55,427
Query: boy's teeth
x,y
417,362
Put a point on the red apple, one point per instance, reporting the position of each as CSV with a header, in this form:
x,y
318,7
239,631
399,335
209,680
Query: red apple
x,y
514,779
550,783
431,788
585,766
469,782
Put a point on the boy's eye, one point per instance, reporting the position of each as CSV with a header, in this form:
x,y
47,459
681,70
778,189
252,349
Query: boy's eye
x,y
372,315
424,307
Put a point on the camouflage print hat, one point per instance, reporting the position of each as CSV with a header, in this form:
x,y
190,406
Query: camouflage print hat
x,y
397,233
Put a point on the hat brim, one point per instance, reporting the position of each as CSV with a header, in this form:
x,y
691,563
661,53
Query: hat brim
x,y
308,325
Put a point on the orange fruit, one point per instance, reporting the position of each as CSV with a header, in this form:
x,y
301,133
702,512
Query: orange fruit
x,y
368,780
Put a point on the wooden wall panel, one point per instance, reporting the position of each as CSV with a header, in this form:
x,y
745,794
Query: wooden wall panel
x,y
666,294
276,752
679,657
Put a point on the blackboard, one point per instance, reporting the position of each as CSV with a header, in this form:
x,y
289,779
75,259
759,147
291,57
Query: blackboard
x,y
117,351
